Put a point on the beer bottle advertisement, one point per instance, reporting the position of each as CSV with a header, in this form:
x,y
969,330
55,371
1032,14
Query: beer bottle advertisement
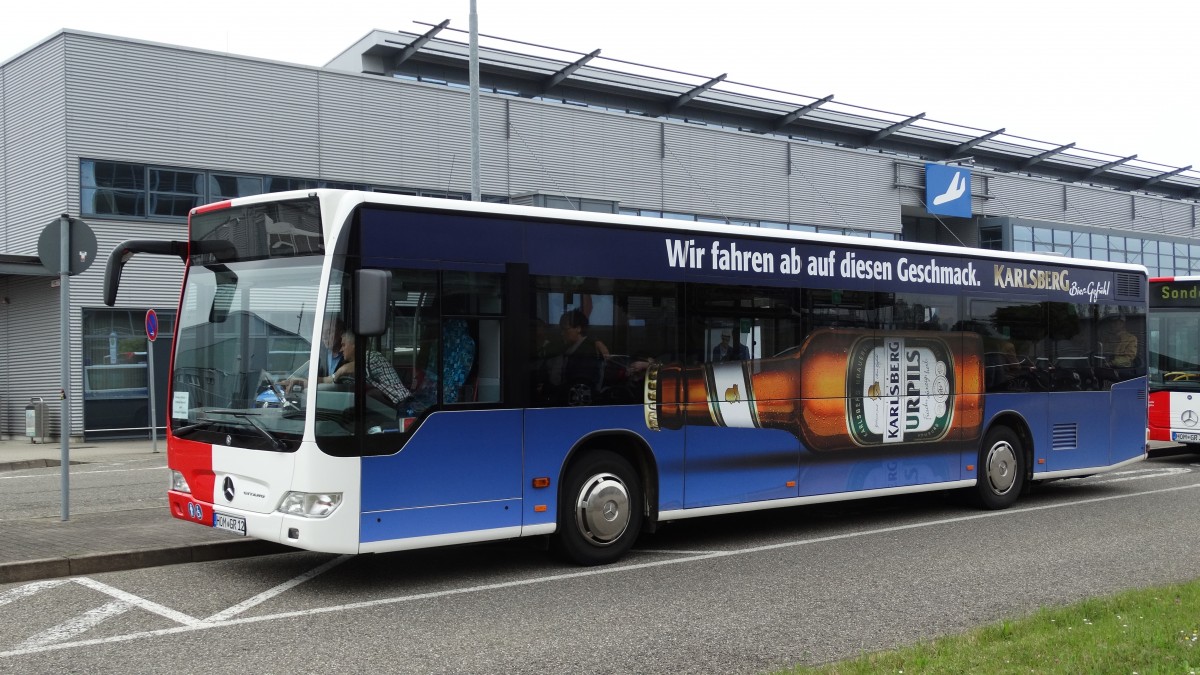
x,y
843,389
900,390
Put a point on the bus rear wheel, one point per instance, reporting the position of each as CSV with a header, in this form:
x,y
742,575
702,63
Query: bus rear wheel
x,y
1001,471
600,510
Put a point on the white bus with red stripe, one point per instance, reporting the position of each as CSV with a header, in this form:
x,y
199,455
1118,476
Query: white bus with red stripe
x,y
1174,335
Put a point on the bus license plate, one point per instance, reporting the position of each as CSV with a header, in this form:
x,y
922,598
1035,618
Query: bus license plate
x,y
235,524
1185,436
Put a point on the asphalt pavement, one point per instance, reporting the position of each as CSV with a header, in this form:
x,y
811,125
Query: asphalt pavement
x,y
119,535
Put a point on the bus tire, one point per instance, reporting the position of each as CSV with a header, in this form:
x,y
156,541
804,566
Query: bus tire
x,y
600,510
1001,469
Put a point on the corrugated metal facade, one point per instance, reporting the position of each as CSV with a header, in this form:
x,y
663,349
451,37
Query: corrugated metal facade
x,y
81,96
843,188
35,145
35,191
715,172
184,108
564,149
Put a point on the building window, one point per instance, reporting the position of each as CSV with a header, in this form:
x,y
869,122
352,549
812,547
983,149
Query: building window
x,y
1079,245
140,191
112,189
116,392
135,190
173,193
281,184
222,186
444,195
337,185
1161,258
991,238
669,215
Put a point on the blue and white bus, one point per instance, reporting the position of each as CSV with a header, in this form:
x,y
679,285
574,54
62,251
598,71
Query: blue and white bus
x,y
513,372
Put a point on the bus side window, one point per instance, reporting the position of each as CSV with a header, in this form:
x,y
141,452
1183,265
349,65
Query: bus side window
x,y
472,316
457,344
445,361
483,381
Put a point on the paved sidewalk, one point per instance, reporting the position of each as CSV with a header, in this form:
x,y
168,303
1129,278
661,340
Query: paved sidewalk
x,y
118,538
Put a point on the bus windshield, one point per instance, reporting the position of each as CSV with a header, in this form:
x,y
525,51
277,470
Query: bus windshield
x,y
245,323
1174,350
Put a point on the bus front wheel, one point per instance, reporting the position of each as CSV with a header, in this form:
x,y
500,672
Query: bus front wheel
x,y
600,513
1001,471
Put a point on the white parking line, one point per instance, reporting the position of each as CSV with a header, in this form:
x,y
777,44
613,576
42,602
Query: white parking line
x,y
77,626
1139,474
227,614
29,589
56,476
611,569
141,603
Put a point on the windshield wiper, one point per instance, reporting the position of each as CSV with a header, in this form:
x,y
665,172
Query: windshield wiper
x,y
249,417
200,424
276,443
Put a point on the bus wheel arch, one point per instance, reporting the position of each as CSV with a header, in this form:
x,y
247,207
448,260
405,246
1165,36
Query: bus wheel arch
x,y
605,490
1005,463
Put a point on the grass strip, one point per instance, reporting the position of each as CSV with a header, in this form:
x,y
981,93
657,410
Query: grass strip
x,y
1148,631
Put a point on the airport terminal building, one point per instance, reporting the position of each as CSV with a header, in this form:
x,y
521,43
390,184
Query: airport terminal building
x,y
128,136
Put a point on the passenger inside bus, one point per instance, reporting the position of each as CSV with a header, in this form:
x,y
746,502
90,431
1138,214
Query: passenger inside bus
x,y
725,351
1120,345
575,373
459,349
382,383
379,375
331,347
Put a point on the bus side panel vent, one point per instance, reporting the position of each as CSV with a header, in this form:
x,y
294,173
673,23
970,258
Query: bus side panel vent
x,y
1065,436
1141,395
1129,286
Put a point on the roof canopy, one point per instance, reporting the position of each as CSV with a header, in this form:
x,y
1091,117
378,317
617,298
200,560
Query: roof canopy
x,y
592,79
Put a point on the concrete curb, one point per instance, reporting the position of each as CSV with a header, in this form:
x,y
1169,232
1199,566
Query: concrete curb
x,y
32,464
95,563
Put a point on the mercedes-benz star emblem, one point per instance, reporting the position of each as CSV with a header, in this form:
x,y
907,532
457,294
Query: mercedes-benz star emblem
x,y
227,488
610,511
1189,418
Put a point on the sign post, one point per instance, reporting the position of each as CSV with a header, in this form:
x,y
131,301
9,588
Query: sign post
x,y
151,334
64,303
66,246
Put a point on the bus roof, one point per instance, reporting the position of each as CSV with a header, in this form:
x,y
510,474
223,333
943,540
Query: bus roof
x,y
348,199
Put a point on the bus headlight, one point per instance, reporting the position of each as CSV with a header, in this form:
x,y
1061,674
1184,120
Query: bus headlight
x,y
309,504
179,483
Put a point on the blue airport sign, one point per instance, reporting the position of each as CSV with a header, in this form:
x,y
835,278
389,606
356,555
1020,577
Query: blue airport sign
x,y
948,190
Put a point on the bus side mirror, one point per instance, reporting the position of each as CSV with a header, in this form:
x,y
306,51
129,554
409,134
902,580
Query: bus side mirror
x,y
126,250
371,291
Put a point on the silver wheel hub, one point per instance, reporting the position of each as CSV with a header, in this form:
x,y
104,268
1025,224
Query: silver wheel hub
x,y
1001,467
602,509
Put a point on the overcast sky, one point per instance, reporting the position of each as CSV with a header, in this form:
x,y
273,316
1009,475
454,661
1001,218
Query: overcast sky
x,y
1114,78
